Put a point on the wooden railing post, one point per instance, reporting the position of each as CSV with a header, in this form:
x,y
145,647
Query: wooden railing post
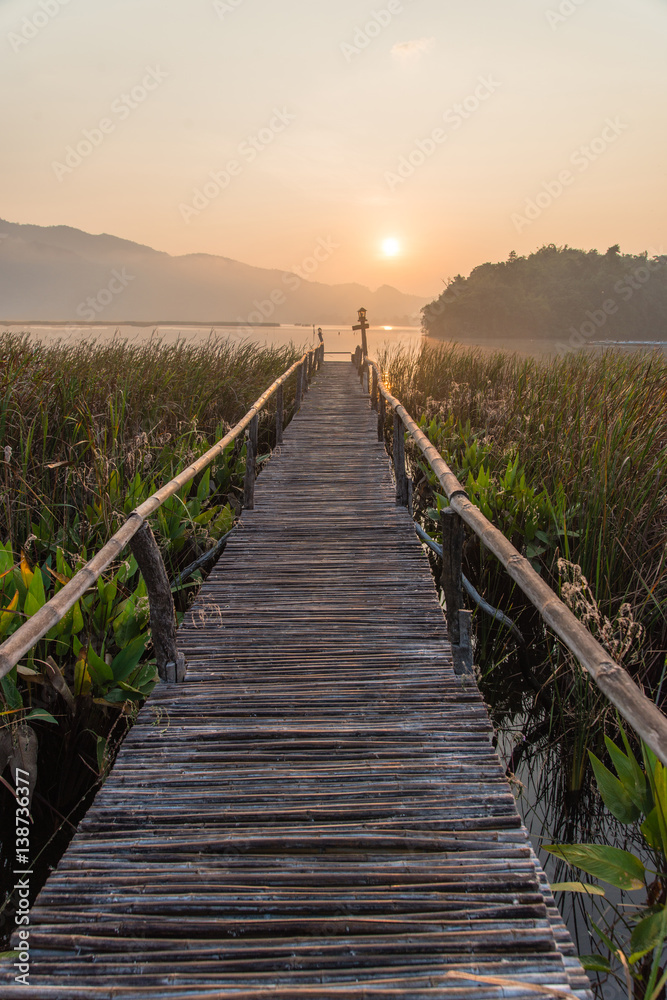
x,y
382,417
170,663
280,414
298,394
251,463
362,367
463,652
452,562
399,463
304,375
374,390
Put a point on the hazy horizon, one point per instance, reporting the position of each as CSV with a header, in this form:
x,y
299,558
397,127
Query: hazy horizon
x,y
419,140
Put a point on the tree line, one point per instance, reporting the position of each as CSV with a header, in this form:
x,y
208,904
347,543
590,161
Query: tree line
x,y
557,293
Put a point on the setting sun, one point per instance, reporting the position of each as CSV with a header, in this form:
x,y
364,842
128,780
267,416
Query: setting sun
x,y
391,247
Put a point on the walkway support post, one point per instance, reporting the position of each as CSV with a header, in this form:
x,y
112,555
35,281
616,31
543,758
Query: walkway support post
x,y
399,463
252,442
374,390
280,414
298,393
382,417
170,663
452,568
305,372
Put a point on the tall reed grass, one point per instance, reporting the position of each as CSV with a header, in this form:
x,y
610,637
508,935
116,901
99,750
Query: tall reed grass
x,y
87,432
73,413
590,435
569,458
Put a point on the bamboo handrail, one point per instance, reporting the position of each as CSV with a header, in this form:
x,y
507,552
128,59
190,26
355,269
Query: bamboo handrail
x,y
612,679
29,634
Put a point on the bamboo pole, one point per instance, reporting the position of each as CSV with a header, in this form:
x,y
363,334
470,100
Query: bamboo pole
x,y
280,413
251,464
399,464
28,635
374,390
612,679
452,561
170,663
298,396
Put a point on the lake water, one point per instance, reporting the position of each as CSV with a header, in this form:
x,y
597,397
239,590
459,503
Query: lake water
x,y
339,340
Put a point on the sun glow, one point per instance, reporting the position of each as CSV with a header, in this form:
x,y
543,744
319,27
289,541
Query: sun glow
x,y
391,247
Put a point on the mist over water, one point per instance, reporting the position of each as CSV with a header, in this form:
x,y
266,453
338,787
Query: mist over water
x,y
339,340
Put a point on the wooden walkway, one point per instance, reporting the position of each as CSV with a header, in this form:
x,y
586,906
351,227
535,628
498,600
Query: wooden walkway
x,y
318,812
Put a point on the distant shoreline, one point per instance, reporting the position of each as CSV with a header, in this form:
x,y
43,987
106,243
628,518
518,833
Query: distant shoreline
x,y
133,322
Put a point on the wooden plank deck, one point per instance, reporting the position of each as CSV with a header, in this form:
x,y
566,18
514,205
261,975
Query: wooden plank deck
x,y
318,812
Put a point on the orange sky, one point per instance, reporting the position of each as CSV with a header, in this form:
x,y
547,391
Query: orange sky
x,y
254,129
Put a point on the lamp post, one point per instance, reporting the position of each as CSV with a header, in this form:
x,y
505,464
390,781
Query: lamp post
x,y
363,325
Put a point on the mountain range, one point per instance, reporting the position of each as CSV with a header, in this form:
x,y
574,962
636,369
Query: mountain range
x,y
58,273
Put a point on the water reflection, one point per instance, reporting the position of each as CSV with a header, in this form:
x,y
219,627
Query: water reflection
x,y
340,340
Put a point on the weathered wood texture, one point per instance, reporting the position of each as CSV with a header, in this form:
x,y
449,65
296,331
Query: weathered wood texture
x,y
452,562
318,812
614,681
170,663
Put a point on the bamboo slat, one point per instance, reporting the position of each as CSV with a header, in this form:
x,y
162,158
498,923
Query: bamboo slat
x,y
612,679
318,812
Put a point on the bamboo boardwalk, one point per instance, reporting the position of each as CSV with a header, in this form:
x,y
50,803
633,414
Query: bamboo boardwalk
x,y
317,812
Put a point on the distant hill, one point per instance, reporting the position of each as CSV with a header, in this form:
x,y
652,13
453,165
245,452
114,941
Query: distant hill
x,y
58,273
557,293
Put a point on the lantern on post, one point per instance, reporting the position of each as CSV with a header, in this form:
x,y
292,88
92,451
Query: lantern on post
x,y
362,325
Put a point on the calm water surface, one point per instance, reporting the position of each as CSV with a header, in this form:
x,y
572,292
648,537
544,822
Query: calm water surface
x,y
339,340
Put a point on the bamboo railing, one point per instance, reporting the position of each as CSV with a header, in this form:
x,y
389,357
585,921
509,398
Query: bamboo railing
x,y
136,532
612,679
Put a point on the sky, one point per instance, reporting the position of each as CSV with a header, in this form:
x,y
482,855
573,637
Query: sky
x,y
414,139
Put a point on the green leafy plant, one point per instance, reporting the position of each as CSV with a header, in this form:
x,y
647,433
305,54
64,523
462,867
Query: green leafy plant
x,y
87,432
634,795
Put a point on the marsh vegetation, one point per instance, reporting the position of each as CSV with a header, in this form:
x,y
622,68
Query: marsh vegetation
x,y
87,432
568,457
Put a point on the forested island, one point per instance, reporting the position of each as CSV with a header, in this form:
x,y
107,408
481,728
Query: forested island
x,y
557,293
